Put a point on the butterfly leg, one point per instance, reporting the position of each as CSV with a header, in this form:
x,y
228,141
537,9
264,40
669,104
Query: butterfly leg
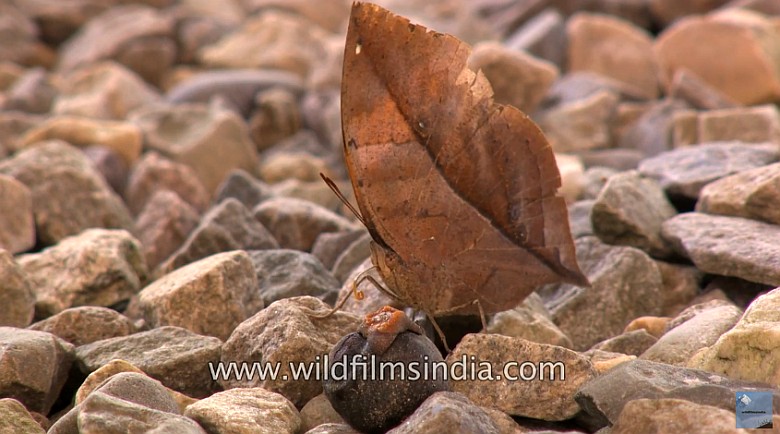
x,y
359,295
482,316
439,332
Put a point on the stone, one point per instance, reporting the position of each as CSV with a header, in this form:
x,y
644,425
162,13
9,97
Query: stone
x,y
209,297
17,226
318,411
449,412
530,321
373,297
316,192
685,171
283,273
111,166
650,416
122,137
86,324
33,367
593,180
581,85
276,116
33,92
654,325
333,428
251,410
702,330
745,124
728,246
296,223
579,218
303,166
286,333
329,246
643,379
98,267
140,389
624,284
269,40
227,226
102,413
163,225
332,18
604,361
543,36
174,356
627,114
21,45
13,126
619,159
14,418
554,400
651,133
517,78
689,87
139,37
580,125
632,343
153,173
16,294
748,78
749,350
105,90
57,21
237,87
353,256
629,211
668,11
749,193
194,134
68,194
614,48
685,128
240,185
571,170
681,286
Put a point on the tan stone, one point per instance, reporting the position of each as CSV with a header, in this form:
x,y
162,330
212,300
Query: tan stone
x,y
658,416
654,325
582,124
752,193
745,124
17,226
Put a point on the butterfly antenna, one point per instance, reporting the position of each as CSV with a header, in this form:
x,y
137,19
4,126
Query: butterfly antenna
x,y
342,198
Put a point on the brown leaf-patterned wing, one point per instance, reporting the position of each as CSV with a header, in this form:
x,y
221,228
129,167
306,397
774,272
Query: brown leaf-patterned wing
x,y
459,192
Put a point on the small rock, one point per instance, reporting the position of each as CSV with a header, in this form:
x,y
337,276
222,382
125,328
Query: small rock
x,y
283,273
98,267
681,286
13,126
227,226
554,399
16,295
642,379
654,325
153,173
17,226
276,116
317,192
176,357
20,41
448,412
614,48
68,194
35,367
651,133
749,193
581,85
604,361
353,255
194,134
632,343
543,36
748,351
163,225
693,90
105,90
625,284
593,180
110,165
373,298
517,78
293,165
629,211
685,171
745,124
579,218
14,418
728,246
139,37
251,410
333,428
285,332
86,324
580,125
297,223
571,170
668,11
33,92
139,389
619,159
747,77
654,416
209,297
530,321
318,411
680,342
122,137
240,185
329,246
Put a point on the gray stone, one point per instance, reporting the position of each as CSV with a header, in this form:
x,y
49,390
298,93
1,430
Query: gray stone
x,y
139,389
685,171
728,246
33,367
209,297
102,413
651,133
448,412
619,159
283,273
353,255
33,92
251,410
632,343
227,226
163,225
640,379
625,284
593,180
16,295
535,375
579,218
751,193
68,194
14,418
681,286
153,173
17,225
330,245
176,357
543,36
530,321
240,185
629,211
286,332
581,124
86,324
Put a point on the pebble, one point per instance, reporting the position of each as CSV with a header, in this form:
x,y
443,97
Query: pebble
x,y
449,412
283,273
17,226
543,36
86,324
651,416
275,117
163,225
531,321
352,256
17,295
580,125
14,418
748,193
251,410
632,343
98,267
745,124
241,185
153,173
651,133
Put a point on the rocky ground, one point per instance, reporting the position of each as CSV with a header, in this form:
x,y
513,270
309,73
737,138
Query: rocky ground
x,y
161,208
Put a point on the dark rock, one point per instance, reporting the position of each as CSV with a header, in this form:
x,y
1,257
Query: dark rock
x,y
285,273
240,185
